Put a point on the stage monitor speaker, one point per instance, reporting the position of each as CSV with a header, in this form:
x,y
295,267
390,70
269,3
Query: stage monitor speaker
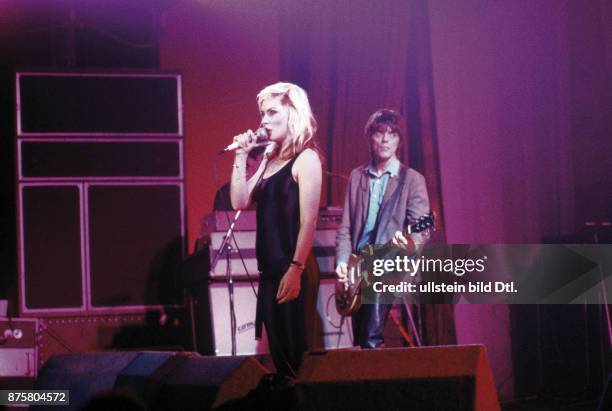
x,y
428,378
203,383
82,374
161,380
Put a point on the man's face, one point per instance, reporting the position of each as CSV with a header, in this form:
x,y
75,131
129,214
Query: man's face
x,y
384,144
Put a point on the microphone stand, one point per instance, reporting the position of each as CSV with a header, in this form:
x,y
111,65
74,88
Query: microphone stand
x,y
226,246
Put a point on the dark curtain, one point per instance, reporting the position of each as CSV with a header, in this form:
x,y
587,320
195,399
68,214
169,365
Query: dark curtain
x,y
353,58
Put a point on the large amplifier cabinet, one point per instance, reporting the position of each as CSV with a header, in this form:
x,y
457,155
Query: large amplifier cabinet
x,y
243,260
241,253
100,191
331,330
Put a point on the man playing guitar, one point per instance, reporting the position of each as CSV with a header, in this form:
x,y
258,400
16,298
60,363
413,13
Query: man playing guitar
x,y
382,197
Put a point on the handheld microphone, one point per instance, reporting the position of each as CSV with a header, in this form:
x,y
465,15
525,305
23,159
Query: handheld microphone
x,y
261,136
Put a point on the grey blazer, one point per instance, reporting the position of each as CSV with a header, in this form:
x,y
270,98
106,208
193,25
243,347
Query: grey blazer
x,y
405,198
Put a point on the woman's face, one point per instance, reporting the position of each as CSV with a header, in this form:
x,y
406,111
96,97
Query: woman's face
x,y
274,118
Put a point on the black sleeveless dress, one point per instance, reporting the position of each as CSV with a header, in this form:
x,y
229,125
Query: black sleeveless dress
x,y
278,225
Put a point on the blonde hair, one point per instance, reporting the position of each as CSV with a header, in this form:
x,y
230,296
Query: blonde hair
x,y
301,123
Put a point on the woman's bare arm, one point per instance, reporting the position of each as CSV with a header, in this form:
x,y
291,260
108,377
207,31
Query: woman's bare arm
x,y
308,173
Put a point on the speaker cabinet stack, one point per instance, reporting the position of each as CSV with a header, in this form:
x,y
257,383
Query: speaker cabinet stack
x,y
100,191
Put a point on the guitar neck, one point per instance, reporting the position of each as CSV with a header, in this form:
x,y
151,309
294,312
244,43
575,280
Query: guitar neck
x,y
422,224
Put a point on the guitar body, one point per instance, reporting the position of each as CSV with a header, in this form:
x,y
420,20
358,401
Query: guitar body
x,y
348,294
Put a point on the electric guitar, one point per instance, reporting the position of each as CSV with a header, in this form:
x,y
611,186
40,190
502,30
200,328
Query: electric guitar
x,y
348,294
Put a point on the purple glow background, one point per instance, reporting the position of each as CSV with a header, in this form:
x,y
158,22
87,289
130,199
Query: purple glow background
x,y
523,112
523,92
523,106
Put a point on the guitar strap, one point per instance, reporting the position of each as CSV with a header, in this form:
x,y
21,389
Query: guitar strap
x,y
387,210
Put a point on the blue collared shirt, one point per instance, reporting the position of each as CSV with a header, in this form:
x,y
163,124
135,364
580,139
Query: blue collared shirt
x,y
378,185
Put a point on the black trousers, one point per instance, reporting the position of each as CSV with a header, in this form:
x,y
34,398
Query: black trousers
x,y
285,327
